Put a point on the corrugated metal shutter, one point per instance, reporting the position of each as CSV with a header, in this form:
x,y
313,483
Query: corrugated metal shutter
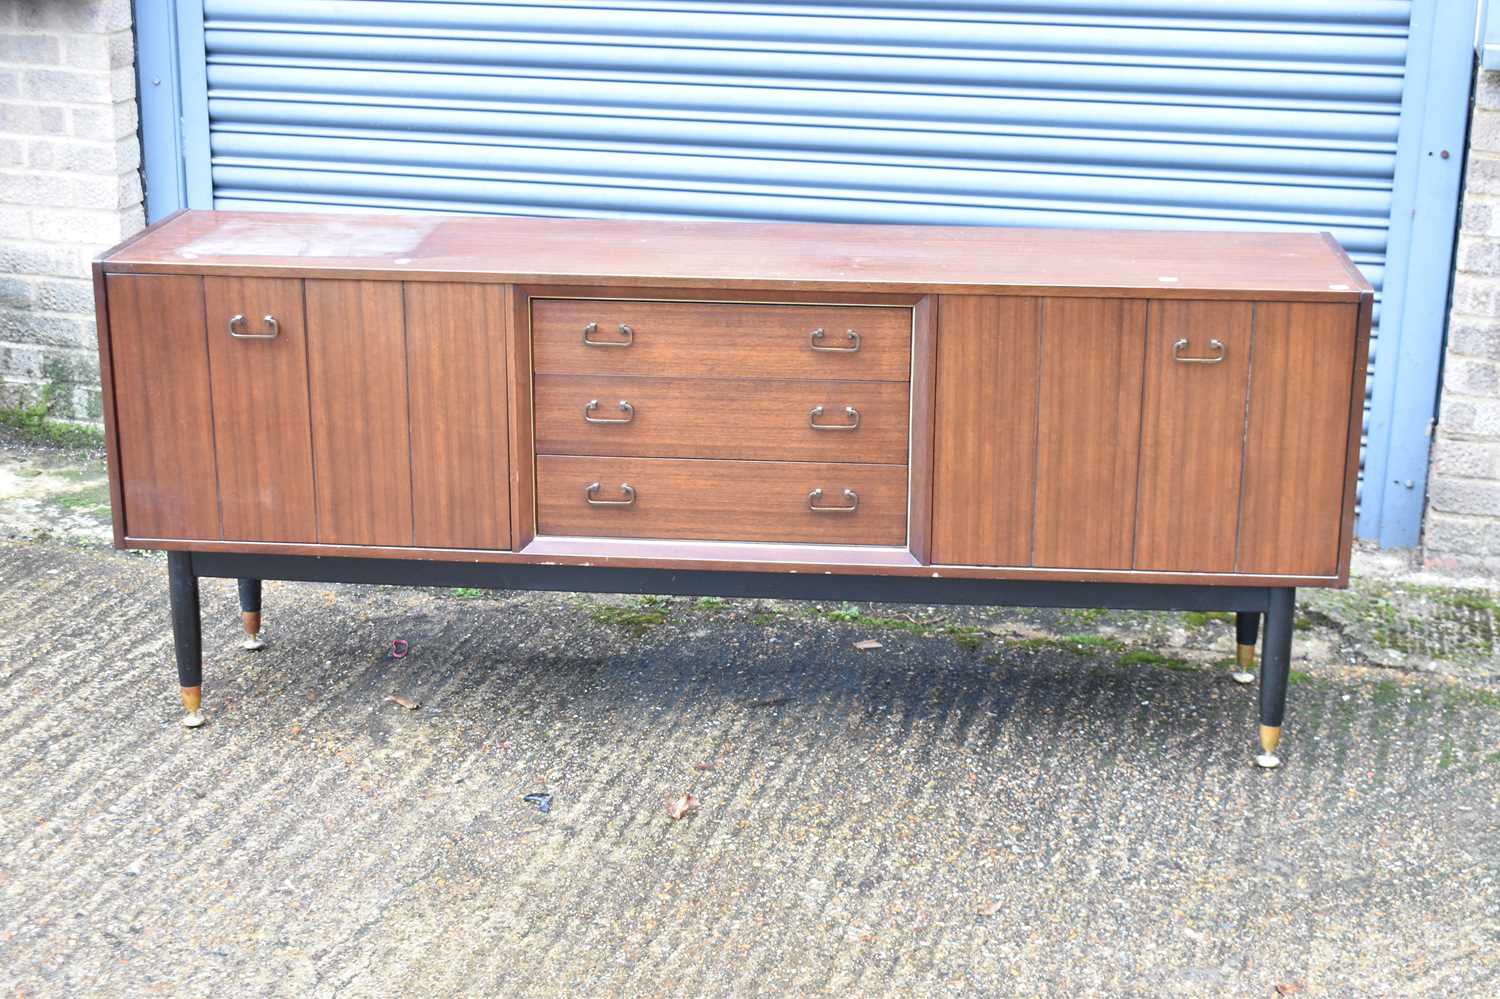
x,y
1150,113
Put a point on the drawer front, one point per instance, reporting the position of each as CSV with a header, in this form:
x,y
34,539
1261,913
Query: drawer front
x,y
713,339
721,500
722,418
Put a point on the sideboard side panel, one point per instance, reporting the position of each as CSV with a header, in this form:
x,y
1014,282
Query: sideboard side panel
x,y
455,343
1296,443
162,415
356,368
984,439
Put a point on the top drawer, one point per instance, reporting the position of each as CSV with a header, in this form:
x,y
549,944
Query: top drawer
x,y
720,339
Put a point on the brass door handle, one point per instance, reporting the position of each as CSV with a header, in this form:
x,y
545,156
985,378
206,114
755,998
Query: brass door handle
x,y
818,334
237,328
817,494
593,405
1180,345
849,411
593,491
593,328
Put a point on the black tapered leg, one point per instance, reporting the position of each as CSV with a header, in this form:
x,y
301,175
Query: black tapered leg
x,y
250,614
1275,667
1246,631
187,634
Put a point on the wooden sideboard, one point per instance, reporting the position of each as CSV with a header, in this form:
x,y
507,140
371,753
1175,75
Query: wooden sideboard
x,y
1053,417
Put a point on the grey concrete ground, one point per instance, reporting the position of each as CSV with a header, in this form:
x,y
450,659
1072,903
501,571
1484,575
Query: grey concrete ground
x,y
992,802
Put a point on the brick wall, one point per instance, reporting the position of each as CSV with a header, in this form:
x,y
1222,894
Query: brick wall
x,y
69,187
1463,490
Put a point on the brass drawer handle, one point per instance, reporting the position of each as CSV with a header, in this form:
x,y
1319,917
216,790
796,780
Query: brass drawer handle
x,y
1217,345
593,405
593,328
593,490
849,411
817,494
237,328
818,334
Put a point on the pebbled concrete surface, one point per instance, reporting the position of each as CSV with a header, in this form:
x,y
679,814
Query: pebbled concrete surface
x,y
991,803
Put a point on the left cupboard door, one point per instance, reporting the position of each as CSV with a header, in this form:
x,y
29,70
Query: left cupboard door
x,y
162,413
257,353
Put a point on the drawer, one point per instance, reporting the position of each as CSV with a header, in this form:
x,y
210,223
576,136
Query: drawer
x,y
688,499
717,339
771,420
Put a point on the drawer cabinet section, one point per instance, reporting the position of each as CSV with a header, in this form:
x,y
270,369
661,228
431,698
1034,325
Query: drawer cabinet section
x,y
816,503
715,339
1160,436
772,419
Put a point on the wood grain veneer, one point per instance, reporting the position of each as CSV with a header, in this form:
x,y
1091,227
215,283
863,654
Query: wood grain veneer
x,y
722,418
715,339
721,500
163,416
260,411
457,384
1299,408
356,374
1192,437
792,256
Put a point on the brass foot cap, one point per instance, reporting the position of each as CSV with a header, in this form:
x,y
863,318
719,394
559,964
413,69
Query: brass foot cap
x,y
253,644
193,719
1270,737
1240,676
1244,655
1267,761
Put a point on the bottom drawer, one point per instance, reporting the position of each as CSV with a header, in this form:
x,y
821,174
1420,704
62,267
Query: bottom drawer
x,y
707,500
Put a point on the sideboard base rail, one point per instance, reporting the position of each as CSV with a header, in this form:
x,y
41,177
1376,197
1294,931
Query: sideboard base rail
x,y
1275,604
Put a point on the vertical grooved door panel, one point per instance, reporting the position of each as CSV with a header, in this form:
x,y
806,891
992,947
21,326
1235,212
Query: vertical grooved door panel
x,y
1088,431
1192,435
162,416
261,422
456,376
356,370
984,435
1297,445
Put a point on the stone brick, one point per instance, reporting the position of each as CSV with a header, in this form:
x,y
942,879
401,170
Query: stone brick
x,y
41,259
1474,497
1473,338
1465,537
1471,377
1484,130
67,86
1483,175
72,155
16,291
1469,416
15,223
97,230
88,16
43,329
32,119
1487,90
24,48
1477,296
61,295
90,52
10,83
1478,254
1466,459
20,362
12,152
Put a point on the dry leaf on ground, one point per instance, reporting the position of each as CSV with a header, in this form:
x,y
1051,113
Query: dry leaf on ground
x,y
867,645
682,807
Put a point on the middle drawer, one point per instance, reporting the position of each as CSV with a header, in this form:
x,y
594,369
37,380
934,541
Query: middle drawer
x,y
782,420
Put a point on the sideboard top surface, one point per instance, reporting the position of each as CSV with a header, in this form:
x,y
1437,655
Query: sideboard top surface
x,y
749,255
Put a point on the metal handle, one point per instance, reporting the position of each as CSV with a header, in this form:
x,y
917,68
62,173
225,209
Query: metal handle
x,y
237,328
818,334
593,490
625,408
1217,345
849,411
592,328
817,494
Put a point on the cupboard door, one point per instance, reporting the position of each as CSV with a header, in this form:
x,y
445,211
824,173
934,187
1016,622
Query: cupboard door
x,y
259,375
356,368
984,433
162,419
1297,441
1088,431
456,372
1192,435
